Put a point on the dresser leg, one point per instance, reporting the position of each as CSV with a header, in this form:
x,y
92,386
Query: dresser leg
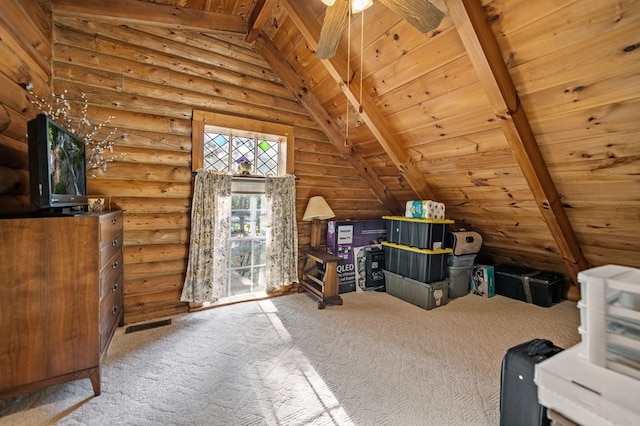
x,y
94,376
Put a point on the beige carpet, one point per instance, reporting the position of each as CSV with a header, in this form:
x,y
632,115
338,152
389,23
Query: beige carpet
x,y
376,360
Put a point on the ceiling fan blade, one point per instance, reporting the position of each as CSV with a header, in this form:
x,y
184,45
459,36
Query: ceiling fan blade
x,y
419,13
335,20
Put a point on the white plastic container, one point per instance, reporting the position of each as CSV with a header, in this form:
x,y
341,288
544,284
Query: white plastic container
x,y
586,393
610,324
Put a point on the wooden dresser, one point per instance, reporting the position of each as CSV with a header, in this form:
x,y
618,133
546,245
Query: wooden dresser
x,y
61,298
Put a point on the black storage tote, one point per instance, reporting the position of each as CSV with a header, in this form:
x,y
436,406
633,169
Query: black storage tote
x,y
541,288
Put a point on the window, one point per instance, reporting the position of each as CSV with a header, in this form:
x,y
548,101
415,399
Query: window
x,y
248,244
221,143
225,149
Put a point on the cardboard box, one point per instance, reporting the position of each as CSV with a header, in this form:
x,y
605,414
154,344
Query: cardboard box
x,y
483,280
343,237
369,261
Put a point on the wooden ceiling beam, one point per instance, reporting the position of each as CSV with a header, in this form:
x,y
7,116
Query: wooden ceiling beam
x,y
486,57
136,12
310,28
259,16
292,80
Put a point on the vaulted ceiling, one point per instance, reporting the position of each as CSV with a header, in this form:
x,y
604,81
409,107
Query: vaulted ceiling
x,y
520,116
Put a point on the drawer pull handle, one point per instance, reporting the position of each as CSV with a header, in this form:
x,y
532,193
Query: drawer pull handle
x,y
114,310
114,221
114,287
114,242
114,265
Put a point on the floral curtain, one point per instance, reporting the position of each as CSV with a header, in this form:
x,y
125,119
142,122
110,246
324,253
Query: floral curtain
x,y
210,215
282,231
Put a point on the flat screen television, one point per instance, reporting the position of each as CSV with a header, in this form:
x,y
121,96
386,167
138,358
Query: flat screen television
x,y
57,166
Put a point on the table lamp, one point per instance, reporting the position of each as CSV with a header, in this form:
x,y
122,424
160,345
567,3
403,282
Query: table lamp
x,y
317,209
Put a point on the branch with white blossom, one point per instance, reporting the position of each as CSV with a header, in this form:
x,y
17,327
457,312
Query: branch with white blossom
x,y
98,151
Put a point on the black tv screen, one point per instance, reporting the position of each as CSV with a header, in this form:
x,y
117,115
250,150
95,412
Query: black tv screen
x,y
57,165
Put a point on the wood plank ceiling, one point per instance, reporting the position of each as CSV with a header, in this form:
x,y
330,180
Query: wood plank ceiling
x,y
521,120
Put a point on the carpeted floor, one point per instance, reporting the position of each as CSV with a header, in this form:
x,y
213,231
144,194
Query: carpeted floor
x,y
376,360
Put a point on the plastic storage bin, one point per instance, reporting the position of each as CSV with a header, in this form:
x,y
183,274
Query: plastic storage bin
x,y
428,234
463,260
459,279
586,393
426,296
538,287
459,272
610,322
418,264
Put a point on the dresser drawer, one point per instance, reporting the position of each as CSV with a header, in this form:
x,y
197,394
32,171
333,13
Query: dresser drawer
x,y
110,226
108,250
111,310
111,280
111,277
110,305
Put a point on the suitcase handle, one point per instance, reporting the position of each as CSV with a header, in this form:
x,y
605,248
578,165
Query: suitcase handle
x,y
540,347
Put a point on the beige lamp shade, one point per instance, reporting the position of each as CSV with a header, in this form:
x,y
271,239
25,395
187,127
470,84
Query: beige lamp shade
x,y
317,208
329,2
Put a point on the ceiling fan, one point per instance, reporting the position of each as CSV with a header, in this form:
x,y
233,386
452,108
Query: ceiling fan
x,y
420,13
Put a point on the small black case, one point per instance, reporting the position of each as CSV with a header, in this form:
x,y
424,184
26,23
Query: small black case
x,y
518,392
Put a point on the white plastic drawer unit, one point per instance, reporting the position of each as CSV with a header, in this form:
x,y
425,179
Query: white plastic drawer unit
x,y
586,393
610,317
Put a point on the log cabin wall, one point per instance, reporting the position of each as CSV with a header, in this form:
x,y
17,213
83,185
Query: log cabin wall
x,y
150,80
25,52
428,129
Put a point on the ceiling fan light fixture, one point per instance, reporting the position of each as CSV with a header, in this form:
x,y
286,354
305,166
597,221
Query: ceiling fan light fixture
x,y
360,5
329,2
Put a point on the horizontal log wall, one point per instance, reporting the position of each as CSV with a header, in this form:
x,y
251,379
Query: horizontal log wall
x,y
577,81
25,49
150,80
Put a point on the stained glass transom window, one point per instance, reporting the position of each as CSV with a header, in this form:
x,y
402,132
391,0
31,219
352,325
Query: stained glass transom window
x,y
225,150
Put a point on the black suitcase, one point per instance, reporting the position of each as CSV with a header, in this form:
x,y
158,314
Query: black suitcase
x,y
518,393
